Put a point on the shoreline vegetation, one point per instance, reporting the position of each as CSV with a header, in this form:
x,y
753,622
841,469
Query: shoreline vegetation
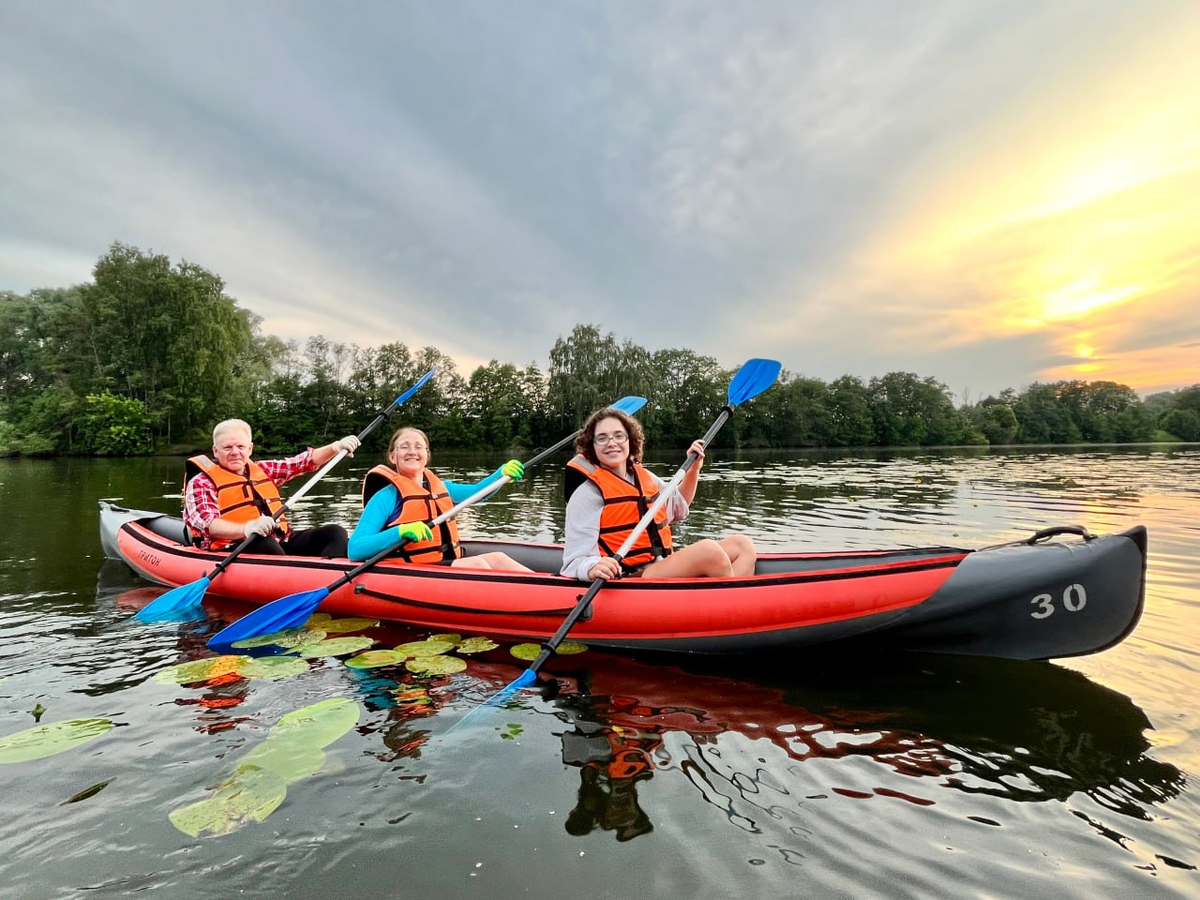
x,y
149,355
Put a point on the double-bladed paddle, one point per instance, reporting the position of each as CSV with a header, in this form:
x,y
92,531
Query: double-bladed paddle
x,y
751,380
293,610
185,599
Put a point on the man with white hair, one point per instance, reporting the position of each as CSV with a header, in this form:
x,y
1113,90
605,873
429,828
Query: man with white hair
x,y
237,497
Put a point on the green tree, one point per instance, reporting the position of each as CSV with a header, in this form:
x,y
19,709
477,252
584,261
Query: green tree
x,y
585,373
115,426
166,335
684,396
498,408
910,412
849,423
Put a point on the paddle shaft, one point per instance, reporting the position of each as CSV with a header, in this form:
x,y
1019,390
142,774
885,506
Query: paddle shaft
x,y
320,473
664,495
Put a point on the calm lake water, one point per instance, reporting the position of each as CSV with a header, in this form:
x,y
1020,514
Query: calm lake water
x,y
825,775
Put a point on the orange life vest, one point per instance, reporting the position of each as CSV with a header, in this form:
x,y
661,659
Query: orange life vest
x,y
418,503
624,506
240,498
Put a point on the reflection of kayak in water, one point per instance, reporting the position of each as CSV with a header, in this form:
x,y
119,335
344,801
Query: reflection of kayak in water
x,y
1020,731
1032,599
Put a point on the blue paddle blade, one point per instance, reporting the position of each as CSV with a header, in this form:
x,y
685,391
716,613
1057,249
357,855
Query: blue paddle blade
x,y
412,390
752,379
287,612
175,604
629,405
525,679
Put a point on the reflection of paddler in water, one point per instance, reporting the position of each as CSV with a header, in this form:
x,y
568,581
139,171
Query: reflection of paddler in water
x,y
612,759
1017,730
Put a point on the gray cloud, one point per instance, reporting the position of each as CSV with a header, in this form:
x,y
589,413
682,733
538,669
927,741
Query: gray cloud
x,y
483,177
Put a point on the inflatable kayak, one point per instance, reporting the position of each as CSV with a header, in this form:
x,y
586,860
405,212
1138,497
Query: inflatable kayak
x,y
1060,592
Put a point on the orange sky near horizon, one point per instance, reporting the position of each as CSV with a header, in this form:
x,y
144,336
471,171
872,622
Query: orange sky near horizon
x,y
1075,216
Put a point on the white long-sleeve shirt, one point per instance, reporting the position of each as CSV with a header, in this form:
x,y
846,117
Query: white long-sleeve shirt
x,y
581,547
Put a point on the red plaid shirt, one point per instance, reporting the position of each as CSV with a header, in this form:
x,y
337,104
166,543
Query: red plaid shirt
x,y
200,497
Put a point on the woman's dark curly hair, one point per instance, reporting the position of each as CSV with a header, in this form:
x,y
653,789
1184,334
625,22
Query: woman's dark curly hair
x,y
585,447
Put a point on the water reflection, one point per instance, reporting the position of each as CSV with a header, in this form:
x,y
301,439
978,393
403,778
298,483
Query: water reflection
x,y
1020,731
1023,732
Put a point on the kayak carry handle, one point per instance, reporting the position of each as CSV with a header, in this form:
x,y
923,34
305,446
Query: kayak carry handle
x,y
1046,533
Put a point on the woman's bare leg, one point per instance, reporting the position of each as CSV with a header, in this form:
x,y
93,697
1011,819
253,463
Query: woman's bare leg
x,y
494,560
703,559
742,553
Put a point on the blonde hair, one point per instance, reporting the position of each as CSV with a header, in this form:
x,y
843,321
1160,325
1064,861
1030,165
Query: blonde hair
x,y
229,425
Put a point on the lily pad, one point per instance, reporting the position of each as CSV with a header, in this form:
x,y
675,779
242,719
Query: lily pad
x,y
273,667
290,637
452,638
428,647
334,646
477,645
435,665
200,669
370,659
298,637
330,625
319,724
47,740
288,757
250,795
527,652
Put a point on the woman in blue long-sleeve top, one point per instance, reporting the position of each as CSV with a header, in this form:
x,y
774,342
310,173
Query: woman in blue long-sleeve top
x,y
402,499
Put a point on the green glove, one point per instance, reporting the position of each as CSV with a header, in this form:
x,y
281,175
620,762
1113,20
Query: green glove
x,y
514,469
415,531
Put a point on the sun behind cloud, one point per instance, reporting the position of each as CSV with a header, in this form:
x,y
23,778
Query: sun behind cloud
x,y
1072,213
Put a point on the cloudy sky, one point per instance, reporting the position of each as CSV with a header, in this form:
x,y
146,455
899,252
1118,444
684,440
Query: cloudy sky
x,y
990,192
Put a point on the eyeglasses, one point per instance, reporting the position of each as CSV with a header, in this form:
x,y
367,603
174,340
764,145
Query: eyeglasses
x,y
618,437
406,447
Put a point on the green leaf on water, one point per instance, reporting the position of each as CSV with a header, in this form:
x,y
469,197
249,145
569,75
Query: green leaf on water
x,y
334,646
512,732
370,659
90,791
452,638
435,665
200,669
250,795
330,625
319,724
290,757
290,637
272,667
477,645
428,647
529,652
298,637
47,740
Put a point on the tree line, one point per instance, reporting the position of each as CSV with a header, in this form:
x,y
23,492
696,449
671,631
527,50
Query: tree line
x,y
149,355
